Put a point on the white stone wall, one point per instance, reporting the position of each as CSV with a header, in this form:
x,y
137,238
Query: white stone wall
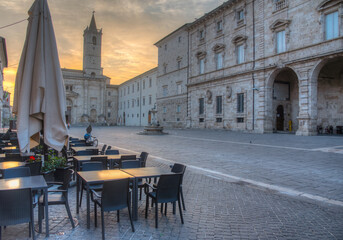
x,y
137,114
172,78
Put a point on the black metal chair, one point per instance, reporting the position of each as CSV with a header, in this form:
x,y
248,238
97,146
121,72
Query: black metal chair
x,y
16,208
143,157
114,197
129,164
91,166
167,190
59,197
102,152
102,159
111,152
179,168
16,172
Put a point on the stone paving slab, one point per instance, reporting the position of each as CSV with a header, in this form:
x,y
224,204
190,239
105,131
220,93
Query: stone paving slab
x,y
216,209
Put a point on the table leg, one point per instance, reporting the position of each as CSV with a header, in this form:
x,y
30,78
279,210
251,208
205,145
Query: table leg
x,y
77,193
46,213
135,199
88,207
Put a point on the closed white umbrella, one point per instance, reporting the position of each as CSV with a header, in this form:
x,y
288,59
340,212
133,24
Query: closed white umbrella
x,y
39,96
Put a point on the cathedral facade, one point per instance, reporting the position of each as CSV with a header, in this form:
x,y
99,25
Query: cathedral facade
x,y
90,96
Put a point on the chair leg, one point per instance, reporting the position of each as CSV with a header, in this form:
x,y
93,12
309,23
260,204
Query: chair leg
x,y
95,215
174,208
0,232
146,206
31,225
81,195
132,227
118,216
29,229
140,194
156,214
102,224
165,209
69,214
162,208
40,215
183,201
180,209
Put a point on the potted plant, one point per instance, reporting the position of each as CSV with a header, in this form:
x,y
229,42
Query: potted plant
x,y
35,164
54,166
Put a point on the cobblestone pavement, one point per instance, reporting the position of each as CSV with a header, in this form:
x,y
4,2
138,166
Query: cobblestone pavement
x,y
218,207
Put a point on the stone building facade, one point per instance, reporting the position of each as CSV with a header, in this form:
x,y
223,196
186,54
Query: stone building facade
x,y
90,96
172,78
137,97
3,64
266,65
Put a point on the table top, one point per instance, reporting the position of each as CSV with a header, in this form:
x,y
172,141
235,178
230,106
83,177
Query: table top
x,y
33,182
2,155
92,177
9,148
146,172
88,157
76,149
10,164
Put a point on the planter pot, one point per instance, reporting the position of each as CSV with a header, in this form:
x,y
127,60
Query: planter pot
x,y
48,176
59,173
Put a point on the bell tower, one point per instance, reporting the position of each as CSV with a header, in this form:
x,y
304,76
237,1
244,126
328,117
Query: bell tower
x,y
92,49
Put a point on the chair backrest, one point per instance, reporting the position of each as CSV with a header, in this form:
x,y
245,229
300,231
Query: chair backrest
x,y
143,158
87,152
101,159
35,167
168,188
128,157
15,206
16,172
179,168
12,156
103,149
92,166
111,152
114,194
125,164
65,178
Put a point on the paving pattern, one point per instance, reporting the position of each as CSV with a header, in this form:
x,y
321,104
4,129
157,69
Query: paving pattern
x,y
217,206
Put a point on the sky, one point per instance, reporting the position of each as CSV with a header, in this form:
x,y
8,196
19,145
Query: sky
x,y
130,29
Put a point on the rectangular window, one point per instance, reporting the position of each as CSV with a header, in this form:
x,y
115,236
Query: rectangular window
x,y
133,88
128,103
150,82
109,104
138,86
179,88
219,59
201,66
150,100
178,65
220,25
281,41
219,120
201,106
331,25
143,84
179,39
240,54
219,103
165,47
137,102
240,102
143,101
108,114
133,102
124,106
109,93
240,120
240,15
201,120
201,34
178,108
165,91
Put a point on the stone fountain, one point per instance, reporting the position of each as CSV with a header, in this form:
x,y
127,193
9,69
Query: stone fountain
x,y
154,127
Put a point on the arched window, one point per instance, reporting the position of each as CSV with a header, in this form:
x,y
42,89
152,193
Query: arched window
x,y
94,40
93,74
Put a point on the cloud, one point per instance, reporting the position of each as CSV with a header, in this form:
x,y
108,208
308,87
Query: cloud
x,y
130,28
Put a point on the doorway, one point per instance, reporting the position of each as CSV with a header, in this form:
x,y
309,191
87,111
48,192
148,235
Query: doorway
x,y
279,118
